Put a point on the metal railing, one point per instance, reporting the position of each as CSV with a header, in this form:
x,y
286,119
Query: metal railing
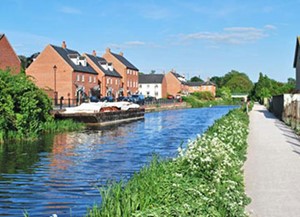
x,y
63,103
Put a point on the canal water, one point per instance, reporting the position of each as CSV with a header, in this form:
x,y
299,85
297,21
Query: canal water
x,y
60,174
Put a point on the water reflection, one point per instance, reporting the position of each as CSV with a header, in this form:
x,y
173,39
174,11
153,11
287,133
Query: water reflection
x,y
60,173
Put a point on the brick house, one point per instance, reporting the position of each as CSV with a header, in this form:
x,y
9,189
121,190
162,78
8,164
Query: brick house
x,y
202,86
110,81
154,85
62,72
176,84
9,60
126,69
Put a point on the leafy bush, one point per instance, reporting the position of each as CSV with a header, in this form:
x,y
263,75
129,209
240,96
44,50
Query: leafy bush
x,y
23,106
204,95
24,109
206,179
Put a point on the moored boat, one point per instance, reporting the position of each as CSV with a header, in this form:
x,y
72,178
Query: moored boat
x,y
102,113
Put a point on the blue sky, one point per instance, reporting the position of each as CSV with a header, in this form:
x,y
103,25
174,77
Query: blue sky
x,y
196,38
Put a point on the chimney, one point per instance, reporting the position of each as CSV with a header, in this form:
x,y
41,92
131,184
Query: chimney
x,y
108,50
94,53
121,53
64,45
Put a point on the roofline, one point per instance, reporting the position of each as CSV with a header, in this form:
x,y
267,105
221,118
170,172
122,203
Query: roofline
x,y
87,56
12,49
60,56
296,51
113,54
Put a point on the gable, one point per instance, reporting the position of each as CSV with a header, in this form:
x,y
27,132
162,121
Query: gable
x,y
8,57
296,57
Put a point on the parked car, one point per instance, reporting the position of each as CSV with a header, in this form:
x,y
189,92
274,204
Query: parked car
x,y
138,99
94,99
107,99
150,99
170,97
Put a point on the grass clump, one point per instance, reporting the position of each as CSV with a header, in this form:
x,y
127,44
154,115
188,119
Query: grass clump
x,y
206,179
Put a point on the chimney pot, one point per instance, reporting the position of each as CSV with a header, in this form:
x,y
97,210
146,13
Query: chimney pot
x,y
64,45
121,53
94,53
108,50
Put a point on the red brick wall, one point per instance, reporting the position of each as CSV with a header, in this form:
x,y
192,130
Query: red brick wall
x,y
114,82
209,88
129,78
164,88
43,74
8,57
173,84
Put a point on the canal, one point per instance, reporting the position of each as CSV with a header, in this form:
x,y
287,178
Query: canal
x,y
60,173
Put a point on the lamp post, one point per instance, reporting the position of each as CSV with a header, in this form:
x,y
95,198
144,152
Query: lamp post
x,y
55,93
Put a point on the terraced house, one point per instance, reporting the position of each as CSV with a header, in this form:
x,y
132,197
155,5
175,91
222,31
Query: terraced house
x,y
9,60
63,72
126,69
110,81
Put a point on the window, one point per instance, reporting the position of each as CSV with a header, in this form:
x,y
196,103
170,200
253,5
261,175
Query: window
x,y
78,77
156,86
94,79
140,86
82,78
148,86
156,93
90,79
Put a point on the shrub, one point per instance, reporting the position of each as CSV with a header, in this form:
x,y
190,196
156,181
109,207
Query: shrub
x,y
205,95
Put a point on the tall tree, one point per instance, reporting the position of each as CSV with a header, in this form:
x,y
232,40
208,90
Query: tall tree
x,y
196,79
237,82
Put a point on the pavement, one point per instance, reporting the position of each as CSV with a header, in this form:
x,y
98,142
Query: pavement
x,y
272,168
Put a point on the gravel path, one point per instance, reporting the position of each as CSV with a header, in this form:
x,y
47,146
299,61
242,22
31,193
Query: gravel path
x,y
272,169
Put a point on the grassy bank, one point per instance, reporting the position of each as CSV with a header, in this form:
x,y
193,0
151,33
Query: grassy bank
x,y
206,179
197,103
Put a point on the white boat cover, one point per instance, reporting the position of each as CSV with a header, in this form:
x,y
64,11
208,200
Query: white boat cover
x,y
94,107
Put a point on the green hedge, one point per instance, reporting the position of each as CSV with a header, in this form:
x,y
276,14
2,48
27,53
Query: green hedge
x,y
24,109
206,179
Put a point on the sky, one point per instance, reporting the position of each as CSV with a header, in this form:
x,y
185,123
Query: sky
x,y
202,38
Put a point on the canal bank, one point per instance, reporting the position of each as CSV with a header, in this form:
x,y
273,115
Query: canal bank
x,y
59,173
163,107
206,178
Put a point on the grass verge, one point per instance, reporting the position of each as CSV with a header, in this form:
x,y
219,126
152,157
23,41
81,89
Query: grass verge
x,y
206,179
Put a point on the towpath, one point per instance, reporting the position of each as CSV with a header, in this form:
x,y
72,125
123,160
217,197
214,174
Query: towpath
x,y
272,169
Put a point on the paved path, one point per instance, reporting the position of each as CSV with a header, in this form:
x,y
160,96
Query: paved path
x,y
272,169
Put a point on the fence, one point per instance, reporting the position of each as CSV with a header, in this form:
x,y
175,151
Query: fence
x,y
291,114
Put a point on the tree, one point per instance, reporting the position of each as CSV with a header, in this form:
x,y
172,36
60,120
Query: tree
x,y
266,87
225,93
237,82
218,81
196,79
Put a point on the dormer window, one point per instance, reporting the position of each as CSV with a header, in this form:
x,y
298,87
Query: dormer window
x,y
78,60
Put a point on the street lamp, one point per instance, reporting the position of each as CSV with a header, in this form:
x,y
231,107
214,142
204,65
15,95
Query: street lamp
x,y
55,93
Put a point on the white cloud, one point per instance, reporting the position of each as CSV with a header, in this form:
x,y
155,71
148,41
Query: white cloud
x,y
70,10
232,35
128,44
